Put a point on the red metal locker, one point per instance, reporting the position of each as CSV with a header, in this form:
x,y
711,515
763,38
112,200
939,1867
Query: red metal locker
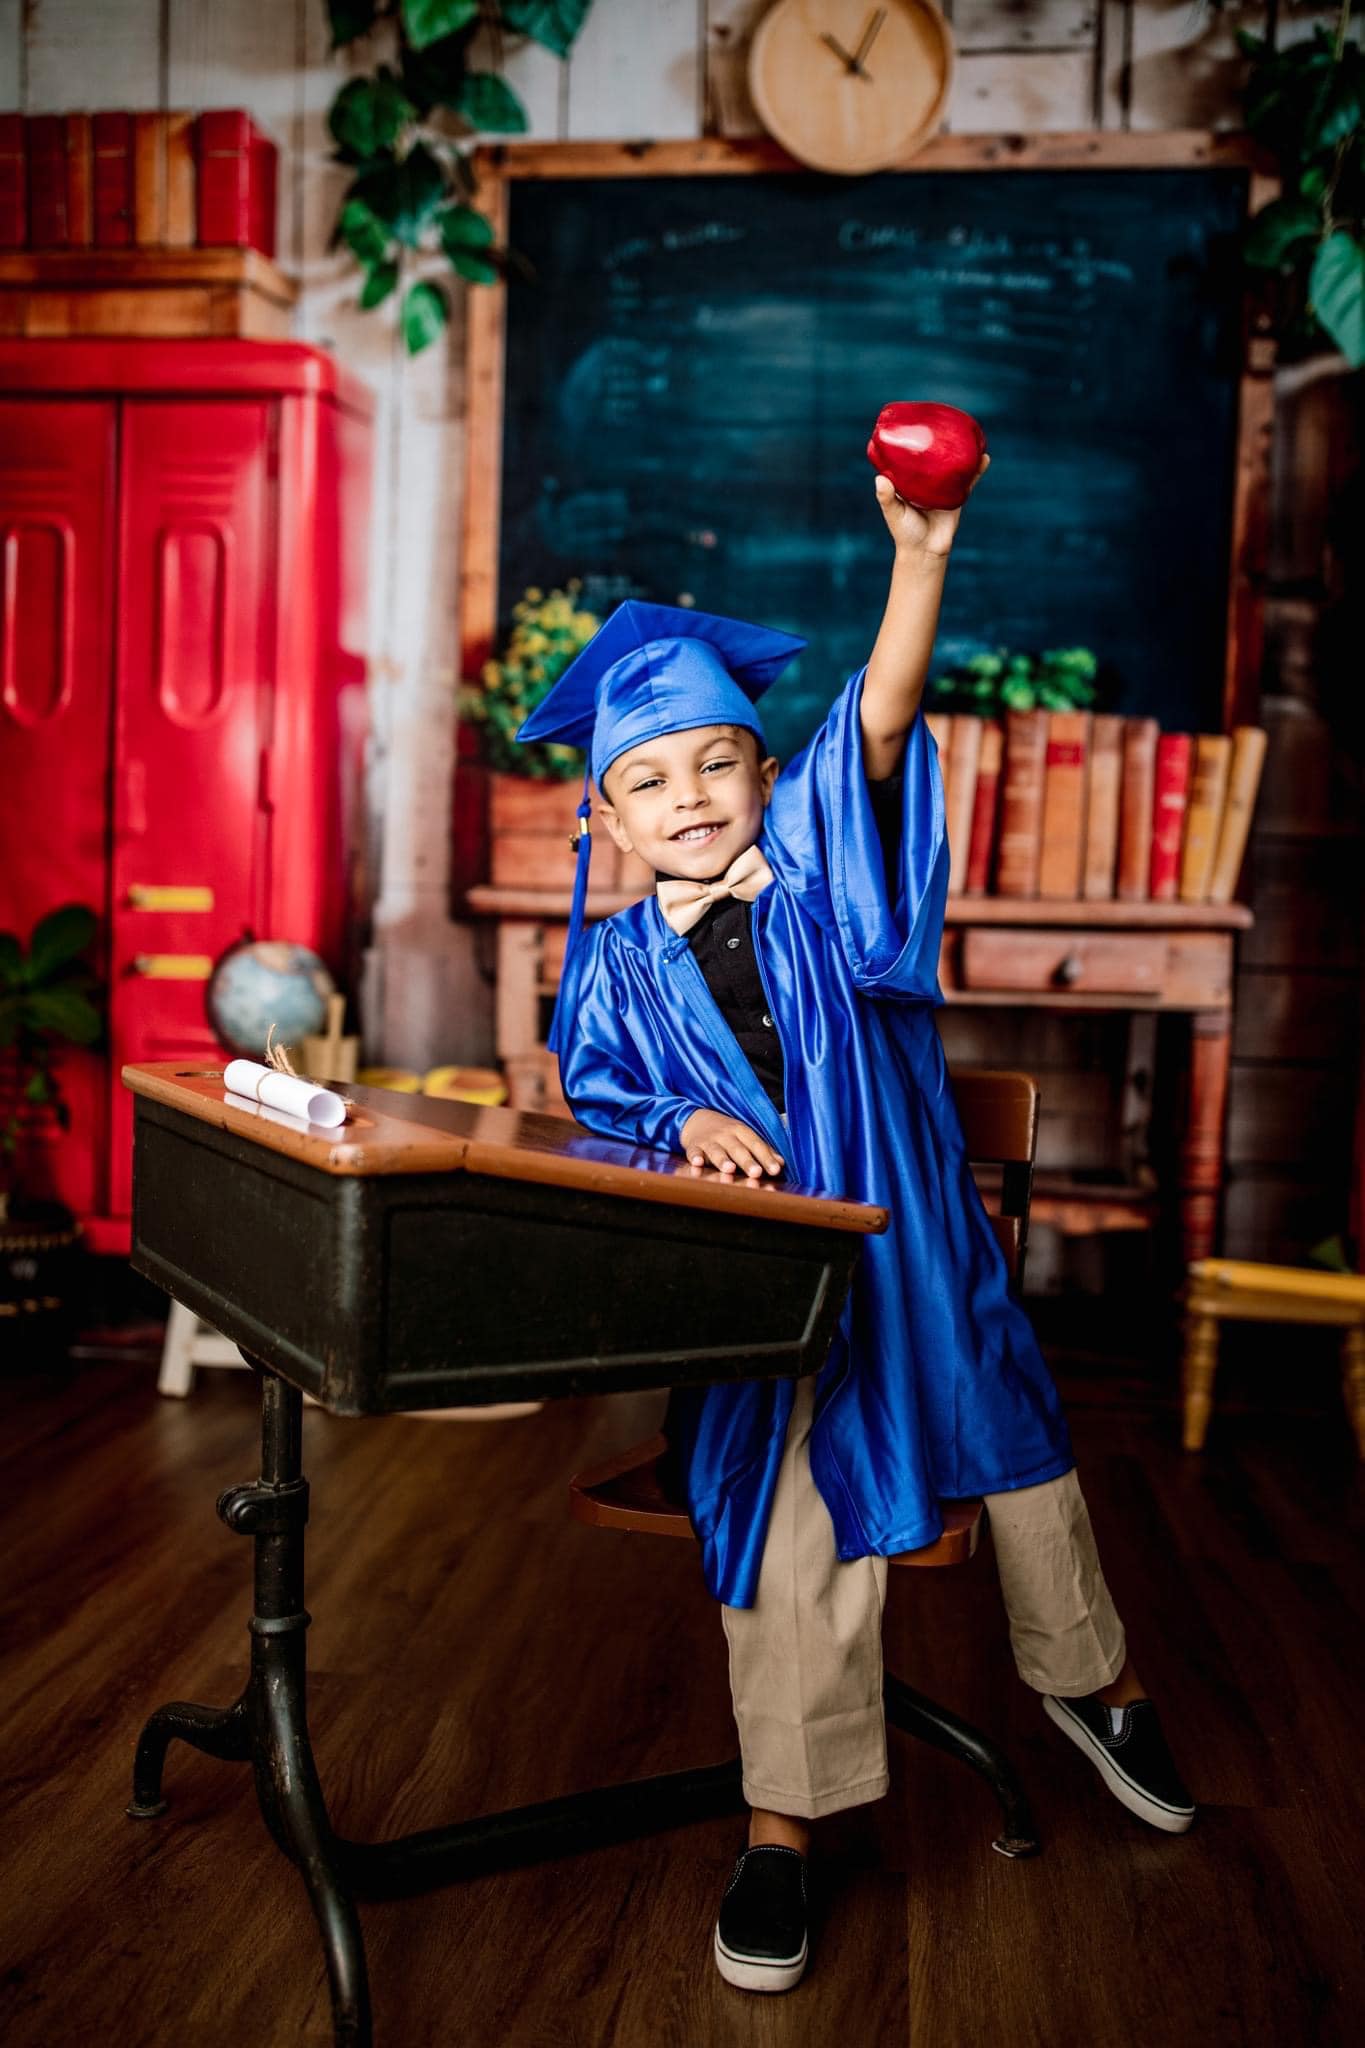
x,y
56,565
215,659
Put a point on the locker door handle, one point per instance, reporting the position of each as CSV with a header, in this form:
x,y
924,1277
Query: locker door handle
x,y
168,896
173,966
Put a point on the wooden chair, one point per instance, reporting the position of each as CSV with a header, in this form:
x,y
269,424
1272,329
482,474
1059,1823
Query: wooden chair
x,y
1244,1290
999,1114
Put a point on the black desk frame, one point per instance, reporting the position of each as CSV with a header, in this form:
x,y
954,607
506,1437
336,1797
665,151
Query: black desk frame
x,y
267,1725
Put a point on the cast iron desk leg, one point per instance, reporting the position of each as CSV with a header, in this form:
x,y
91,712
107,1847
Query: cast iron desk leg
x,y
268,1726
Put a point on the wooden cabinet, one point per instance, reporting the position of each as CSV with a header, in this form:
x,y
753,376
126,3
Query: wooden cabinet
x,y
997,952
181,683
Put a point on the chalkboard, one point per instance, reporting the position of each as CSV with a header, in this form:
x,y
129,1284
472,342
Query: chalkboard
x,y
693,365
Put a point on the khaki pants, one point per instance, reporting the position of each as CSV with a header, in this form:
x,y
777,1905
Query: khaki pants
x,y
806,1658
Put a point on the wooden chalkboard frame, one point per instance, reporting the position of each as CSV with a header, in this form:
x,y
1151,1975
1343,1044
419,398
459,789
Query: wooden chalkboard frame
x,y
1087,150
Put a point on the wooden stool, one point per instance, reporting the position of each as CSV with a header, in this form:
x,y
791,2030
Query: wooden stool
x,y
999,1114
1241,1290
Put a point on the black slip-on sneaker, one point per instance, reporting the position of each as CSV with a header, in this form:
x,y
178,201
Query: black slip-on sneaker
x,y
1133,1759
761,1928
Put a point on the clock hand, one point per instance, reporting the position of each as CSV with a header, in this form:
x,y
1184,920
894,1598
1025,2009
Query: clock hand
x,y
870,34
850,63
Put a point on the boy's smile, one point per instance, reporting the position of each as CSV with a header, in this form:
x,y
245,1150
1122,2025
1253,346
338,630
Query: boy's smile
x,y
689,802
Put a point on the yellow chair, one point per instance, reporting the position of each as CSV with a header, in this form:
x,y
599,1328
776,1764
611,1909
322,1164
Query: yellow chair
x,y
1241,1290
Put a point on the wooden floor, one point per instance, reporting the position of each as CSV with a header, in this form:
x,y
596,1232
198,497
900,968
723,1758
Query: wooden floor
x,y
472,1649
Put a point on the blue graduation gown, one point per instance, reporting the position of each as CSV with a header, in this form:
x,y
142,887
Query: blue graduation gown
x,y
934,1386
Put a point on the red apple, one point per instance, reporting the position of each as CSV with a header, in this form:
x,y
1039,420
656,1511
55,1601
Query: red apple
x,y
930,452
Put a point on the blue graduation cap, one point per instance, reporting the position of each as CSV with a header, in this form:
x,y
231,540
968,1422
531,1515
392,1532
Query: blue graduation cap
x,y
651,669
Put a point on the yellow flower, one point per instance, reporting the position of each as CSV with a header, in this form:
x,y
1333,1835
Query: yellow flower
x,y
533,595
584,625
492,673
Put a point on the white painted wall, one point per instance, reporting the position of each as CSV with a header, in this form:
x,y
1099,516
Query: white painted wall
x,y
662,68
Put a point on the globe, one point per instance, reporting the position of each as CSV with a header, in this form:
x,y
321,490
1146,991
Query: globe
x,y
265,982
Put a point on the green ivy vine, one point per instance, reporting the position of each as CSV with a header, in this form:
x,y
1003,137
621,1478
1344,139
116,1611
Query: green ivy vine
x,y
1304,103
407,130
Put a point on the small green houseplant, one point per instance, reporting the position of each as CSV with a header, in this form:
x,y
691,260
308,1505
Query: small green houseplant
x,y
988,684
547,632
45,1004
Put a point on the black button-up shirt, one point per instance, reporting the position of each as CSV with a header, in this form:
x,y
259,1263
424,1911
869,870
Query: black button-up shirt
x,y
722,943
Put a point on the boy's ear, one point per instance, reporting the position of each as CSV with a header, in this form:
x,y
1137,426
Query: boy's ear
x,y
768,771
607,813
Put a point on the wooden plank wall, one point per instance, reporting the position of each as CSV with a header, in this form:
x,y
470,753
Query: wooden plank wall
x,y
675,68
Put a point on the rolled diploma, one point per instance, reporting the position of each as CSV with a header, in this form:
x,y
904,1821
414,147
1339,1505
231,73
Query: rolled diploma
x,y
296,1097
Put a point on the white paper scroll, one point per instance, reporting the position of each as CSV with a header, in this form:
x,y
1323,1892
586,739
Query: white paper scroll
x,y
295,1096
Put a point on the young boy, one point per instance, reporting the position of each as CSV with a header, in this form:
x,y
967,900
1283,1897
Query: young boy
x,y
771,1006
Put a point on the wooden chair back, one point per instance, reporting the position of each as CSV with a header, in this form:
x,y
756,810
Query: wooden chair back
x,y
998,1111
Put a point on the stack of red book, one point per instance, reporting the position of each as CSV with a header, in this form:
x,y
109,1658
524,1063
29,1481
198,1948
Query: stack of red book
x,y
1082,805
136,180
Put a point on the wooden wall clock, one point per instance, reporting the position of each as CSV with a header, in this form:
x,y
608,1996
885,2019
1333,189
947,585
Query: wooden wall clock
x,y
851,85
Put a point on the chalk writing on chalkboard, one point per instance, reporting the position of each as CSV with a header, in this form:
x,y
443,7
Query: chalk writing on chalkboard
x,y
693,367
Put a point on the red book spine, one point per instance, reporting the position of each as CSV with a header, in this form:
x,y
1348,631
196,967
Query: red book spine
x,y
237,170
47,224
113,146
264,160
13,206
981,844
1170,792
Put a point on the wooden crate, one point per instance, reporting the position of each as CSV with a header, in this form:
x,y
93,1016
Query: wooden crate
x,y
166,293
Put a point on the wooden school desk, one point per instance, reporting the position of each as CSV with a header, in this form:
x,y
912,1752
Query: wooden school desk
x,y
998,953
429,1255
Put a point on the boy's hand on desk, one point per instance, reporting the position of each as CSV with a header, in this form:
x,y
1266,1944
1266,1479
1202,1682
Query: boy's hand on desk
x,y
710,1137
916,531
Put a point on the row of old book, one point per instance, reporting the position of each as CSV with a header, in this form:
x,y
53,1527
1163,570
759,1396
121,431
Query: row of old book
x,y
136,180
1091,805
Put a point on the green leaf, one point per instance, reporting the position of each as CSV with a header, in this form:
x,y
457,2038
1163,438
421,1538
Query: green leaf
x,y
489,104
11,960
1337,291
65,1013
462,228
58,938
551,23
368,115
404,195
1336,112
475,269
1250,45
349,19
425,313
38,1087
426,21
364,234
1277,228
1313,182
378,284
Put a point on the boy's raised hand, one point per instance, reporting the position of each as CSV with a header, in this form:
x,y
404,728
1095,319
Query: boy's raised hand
x,y
711,1137
915,530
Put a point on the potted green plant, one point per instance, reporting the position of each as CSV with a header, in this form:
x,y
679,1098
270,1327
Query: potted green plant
x,y
46,1004
533,791
997,680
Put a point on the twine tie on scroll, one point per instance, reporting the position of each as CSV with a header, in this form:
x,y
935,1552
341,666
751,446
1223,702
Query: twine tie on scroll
x,y
277,1055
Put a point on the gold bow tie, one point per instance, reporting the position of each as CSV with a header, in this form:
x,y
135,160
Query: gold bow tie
x,y
684,904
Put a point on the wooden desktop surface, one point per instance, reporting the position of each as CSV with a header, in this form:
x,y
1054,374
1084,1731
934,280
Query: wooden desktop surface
x,y
389,1133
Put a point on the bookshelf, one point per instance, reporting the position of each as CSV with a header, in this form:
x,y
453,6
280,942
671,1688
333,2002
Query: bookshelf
x,y
997,952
